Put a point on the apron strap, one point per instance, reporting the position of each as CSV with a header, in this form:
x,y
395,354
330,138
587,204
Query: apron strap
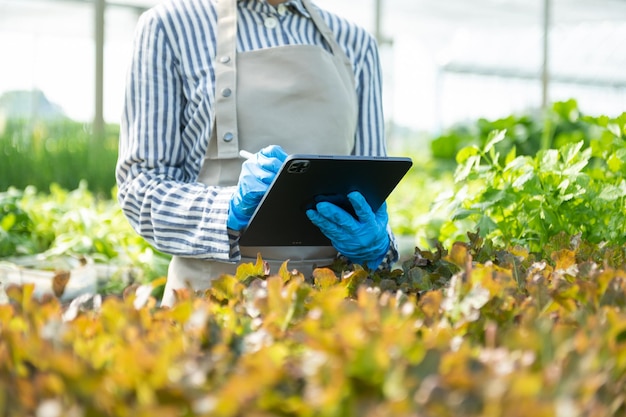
x,y
328,36
226,80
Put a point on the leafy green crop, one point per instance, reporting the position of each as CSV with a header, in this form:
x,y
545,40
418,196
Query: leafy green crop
x,y
16,227
74,223
429,207
578,189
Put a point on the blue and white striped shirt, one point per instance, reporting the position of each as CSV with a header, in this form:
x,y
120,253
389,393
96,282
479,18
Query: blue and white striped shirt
x,y
169,114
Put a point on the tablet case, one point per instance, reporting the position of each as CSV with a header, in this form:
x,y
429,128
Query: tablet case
x,y
280,219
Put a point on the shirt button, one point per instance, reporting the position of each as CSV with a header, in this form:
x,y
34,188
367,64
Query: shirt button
x,y
228,136
226,92
271,22
225,59
282,9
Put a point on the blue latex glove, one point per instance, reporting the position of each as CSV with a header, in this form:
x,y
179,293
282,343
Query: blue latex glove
x,y
362,240
257,173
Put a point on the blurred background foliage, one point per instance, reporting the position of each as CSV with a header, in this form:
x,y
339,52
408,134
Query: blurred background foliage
x,y
65,152
528,132
57,151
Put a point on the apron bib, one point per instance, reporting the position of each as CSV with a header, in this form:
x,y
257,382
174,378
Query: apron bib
x,y
300,97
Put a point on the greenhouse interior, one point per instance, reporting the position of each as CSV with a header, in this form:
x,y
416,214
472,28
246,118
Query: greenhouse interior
x,y
490,281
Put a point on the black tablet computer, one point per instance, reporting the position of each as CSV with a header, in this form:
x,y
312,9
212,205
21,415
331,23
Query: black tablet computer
x,y
280,219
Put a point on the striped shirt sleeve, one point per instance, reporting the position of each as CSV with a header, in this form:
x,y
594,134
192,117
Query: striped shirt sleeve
x,y
156,186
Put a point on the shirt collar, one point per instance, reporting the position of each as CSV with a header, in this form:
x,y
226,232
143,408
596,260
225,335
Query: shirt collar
x,y
295,5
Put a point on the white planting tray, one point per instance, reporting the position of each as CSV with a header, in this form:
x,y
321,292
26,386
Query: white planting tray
x,y
63,277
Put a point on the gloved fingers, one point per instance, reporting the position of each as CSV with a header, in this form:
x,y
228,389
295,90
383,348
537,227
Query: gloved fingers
x,y
267,179
268,164
338,216
361,207
253,171
274,151
271,158
382,215
329,228
254,184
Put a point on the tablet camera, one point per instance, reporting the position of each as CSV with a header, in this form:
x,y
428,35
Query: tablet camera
x,y
299,166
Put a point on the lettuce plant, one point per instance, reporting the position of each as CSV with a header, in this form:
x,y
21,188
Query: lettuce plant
x,y
578,189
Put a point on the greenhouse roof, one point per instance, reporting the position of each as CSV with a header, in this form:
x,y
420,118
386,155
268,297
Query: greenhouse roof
x,y
432,44
491,37
503,37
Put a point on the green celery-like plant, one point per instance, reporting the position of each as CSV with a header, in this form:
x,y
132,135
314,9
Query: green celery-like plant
x,y
526,200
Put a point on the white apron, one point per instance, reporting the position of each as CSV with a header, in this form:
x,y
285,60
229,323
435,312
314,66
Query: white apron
x,y
300,97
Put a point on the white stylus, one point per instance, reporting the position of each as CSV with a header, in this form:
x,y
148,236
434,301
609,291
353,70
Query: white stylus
x,y
245,154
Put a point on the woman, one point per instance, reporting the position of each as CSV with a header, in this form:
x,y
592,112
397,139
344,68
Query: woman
x,y
209,78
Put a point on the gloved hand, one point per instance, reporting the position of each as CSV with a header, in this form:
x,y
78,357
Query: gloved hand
x,y
257,173
362,240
